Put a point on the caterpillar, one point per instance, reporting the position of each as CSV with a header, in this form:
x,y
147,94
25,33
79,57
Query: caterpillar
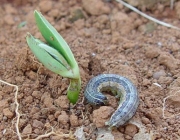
x,y
121,87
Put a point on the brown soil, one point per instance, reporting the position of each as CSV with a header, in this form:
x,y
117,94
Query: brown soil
x,y
105,37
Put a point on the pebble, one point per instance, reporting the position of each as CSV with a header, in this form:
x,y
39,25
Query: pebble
x,y
47,100
158,74
28,99
145,120
168,60
63,118
37,94
175,100
31,75
37,124
8,113
74,120
62,102
101,115
27,130
37,131
151,52
131,130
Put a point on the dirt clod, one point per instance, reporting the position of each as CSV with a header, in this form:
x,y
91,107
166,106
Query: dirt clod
x,y
101,115
62,102
131,130
8,113
27,129
63,118
37,124
73,120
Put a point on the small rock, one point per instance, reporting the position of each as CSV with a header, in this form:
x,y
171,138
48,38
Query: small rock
x,y
27,130
57,113
34,110
146,82
151,52
37,131
174,100
148,27
47,100
145,120
131,130
76,15
63,118
37,124
101,115
168,60
119,20
103,19
37,94
62,102
158,74
74,120
22,122
95,7
32,75
7,113
45,5
29,99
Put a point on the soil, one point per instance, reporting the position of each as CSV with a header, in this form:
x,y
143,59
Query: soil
x,y
105,37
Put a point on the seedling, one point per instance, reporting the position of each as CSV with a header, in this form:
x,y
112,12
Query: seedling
x,y
55,55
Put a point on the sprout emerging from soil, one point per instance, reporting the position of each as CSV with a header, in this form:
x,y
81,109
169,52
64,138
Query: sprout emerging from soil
x,y
56,55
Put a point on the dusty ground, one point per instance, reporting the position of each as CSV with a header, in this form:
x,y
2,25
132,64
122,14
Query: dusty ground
x,y
105,37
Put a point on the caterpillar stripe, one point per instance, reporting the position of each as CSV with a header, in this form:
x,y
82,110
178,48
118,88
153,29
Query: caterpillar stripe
x,y
121,87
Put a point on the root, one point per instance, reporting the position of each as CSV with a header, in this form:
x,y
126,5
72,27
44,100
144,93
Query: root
x,y
16,110
147,16
70,136
164,105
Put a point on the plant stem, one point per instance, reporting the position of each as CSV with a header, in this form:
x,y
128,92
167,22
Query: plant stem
x,y
73,90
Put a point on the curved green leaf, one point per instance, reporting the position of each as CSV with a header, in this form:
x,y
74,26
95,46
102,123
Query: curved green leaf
x,y
49,57
55,40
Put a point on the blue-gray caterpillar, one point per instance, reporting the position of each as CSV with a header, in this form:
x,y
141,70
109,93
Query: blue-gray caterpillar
x,y
121,87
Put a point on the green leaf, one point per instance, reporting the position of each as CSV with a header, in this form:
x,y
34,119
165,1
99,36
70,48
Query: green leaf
x,y
55,40
49,57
